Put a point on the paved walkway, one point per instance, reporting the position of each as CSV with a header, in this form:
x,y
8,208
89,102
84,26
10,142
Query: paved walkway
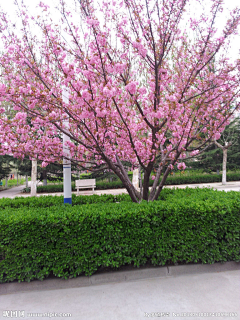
x,y
12,192
16,191
173,297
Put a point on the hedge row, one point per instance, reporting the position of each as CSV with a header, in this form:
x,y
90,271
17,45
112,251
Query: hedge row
x,y
166,193
100,185
203,178
48,201
68,241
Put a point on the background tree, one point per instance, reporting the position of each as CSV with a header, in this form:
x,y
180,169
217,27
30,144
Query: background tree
x,y
213,158
114,115
229,137
24,167
233,161
53,172
6,167
208,161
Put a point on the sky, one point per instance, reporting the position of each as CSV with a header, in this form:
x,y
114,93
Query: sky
x,y
9,7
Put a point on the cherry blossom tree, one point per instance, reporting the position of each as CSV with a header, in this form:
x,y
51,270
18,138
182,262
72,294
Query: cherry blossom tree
x,y
140,80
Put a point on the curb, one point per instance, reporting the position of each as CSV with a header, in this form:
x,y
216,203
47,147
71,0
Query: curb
x,y
117,276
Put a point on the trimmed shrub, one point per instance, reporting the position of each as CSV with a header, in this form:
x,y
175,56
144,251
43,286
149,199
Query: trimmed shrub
x,y
203,178
71,240
48,201
100,185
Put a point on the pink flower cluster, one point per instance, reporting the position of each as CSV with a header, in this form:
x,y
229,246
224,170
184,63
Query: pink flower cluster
x,y
181,166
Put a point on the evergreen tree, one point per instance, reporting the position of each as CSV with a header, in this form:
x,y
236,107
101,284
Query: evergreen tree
x,y
5,166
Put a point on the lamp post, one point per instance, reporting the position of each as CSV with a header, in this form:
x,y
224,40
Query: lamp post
x,y
67,185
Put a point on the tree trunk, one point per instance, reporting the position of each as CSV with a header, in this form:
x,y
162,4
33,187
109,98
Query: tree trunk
x,y
224,165
26,181
122,174
34,178
6,182
140,180
146,185
17,178
224,172
162,183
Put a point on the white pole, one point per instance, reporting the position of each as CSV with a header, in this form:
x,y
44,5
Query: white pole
x,y
67,186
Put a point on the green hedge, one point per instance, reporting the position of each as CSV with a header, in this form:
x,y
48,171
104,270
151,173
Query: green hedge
x,y
48,201
100,185
201,178
195,226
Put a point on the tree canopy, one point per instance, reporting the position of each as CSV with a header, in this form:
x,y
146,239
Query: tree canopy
x,y
142,87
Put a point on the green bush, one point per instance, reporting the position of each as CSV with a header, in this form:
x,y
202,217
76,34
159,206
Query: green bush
x,y
100,185
201,178
166,194
52,188
48,201
66,241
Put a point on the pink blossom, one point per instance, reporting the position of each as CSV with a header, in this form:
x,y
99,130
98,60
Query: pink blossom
x,y
85,94
194,153
44,164
2,88
132,87
142,90
217,136
181,166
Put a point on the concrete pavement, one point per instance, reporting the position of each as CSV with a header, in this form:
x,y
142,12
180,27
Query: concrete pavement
x,y
12,192
16,191
185,292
